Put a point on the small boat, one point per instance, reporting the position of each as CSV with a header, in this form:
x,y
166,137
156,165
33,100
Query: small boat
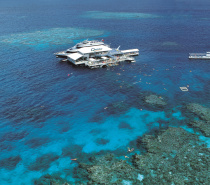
x,y
199,55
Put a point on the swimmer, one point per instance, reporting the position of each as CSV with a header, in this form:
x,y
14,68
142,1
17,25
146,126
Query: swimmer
x,y
126,156
74,159
130,150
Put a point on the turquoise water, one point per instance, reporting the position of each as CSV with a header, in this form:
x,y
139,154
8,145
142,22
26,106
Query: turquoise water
x,y
44,111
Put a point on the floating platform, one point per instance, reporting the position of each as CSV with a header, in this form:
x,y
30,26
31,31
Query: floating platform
x,y
203,56
96,54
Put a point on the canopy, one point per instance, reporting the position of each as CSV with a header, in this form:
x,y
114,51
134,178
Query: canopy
x,y
74,56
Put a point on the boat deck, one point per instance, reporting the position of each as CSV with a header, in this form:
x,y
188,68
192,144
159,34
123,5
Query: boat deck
x,y
105,62
199,56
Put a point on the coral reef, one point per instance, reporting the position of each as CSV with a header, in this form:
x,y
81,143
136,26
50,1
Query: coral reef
x,y
203,124
53,36
118,15
155,100
174,157
170,140
50,179
199,110
107,170
118,107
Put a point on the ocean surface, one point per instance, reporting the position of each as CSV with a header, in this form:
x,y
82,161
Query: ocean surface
x,y
52,108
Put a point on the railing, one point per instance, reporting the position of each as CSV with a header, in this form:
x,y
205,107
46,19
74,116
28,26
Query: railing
x,y
197,54
103,62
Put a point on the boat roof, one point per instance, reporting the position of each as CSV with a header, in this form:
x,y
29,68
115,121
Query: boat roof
x,y
94,49
74,56
130,50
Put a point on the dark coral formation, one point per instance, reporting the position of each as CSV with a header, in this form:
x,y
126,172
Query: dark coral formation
x,y
155,100
106,170
33,114
117,108
169,155
174,157
199,110
124,125
202,126
5,146
13,136
64,129
43,162
36,142
101,141
172,139
51,179
73,151
10,163
203,113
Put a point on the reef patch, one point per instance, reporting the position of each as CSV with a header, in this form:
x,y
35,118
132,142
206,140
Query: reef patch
x,y
101,141
107,170
174,156
43,162
13,136
50,37
36,142
199,110
155,100
50,179
202,120
124,125
118,15
10,163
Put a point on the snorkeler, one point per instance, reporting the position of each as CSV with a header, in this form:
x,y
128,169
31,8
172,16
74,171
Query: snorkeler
x,y
130,150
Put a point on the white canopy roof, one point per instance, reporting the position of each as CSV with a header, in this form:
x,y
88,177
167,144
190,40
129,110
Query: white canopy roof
x,y
94,49
74,56
130,50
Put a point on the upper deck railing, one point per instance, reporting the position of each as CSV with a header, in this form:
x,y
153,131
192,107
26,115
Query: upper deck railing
x,y
197,54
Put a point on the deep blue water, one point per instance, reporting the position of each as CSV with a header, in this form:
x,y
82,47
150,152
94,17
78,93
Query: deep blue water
x,y
44,110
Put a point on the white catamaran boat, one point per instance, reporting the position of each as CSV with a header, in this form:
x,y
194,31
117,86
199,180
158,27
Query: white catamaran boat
x,y
199,55
96,54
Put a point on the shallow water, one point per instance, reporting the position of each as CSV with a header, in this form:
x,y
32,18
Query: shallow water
x,y
43,110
